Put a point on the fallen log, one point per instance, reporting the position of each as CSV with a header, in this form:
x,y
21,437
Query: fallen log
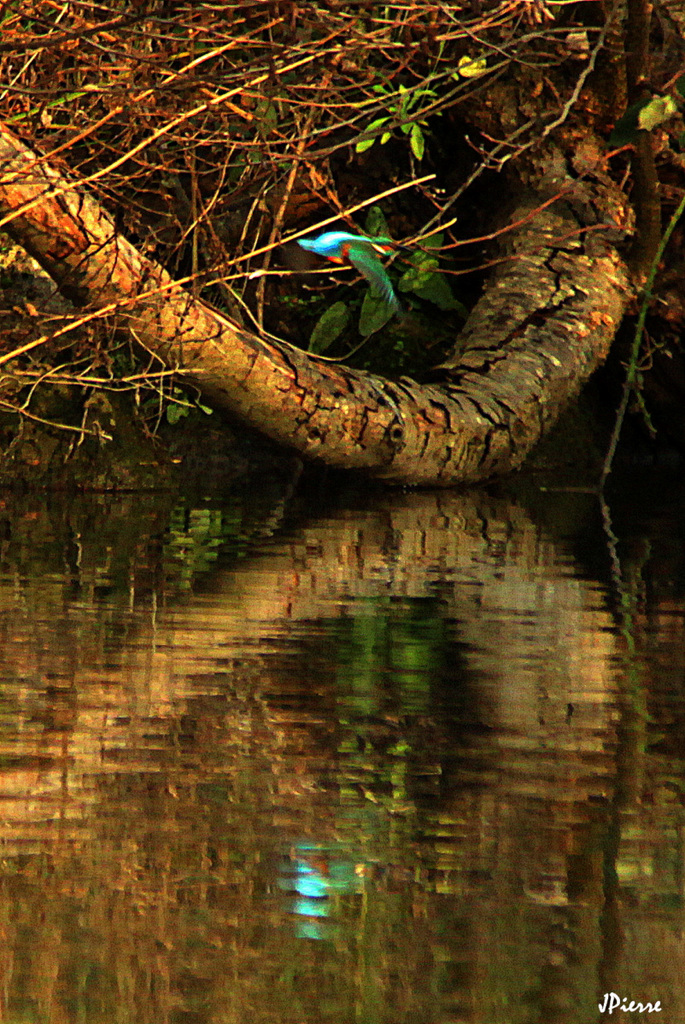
x,y
544,323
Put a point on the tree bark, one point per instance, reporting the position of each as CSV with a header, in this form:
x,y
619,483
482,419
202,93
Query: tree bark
x,y
546,320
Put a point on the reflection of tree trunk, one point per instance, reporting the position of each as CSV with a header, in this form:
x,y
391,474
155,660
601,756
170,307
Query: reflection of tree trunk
x,y
545,322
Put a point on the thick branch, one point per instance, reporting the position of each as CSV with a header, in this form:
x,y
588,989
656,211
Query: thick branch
x,y
545,322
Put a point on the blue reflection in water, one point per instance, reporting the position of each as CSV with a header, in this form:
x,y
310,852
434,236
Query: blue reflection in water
x,y
313,874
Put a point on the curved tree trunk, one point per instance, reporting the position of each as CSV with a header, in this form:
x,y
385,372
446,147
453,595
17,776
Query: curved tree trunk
x,y
545,321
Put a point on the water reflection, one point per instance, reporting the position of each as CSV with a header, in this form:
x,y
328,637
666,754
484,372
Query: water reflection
x,y
414,759
312,875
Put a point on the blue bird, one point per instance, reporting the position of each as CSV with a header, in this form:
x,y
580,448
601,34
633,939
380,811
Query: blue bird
x,y
362,253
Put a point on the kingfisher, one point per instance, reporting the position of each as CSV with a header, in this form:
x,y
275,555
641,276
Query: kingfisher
x,y
363,253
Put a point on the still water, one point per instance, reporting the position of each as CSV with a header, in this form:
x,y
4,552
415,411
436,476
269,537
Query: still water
x,y
369,758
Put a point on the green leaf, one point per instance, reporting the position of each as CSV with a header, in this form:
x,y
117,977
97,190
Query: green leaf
x,y
416,142
375,314
658,110
266,116
432,287
385,137
625,129
418,94
471,67
412,280
431,242
375,223
644,115
416,278
377,123
329,327
365,144
175,412
423,266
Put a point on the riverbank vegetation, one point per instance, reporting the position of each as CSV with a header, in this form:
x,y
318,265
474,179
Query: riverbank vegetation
x,y
160,161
